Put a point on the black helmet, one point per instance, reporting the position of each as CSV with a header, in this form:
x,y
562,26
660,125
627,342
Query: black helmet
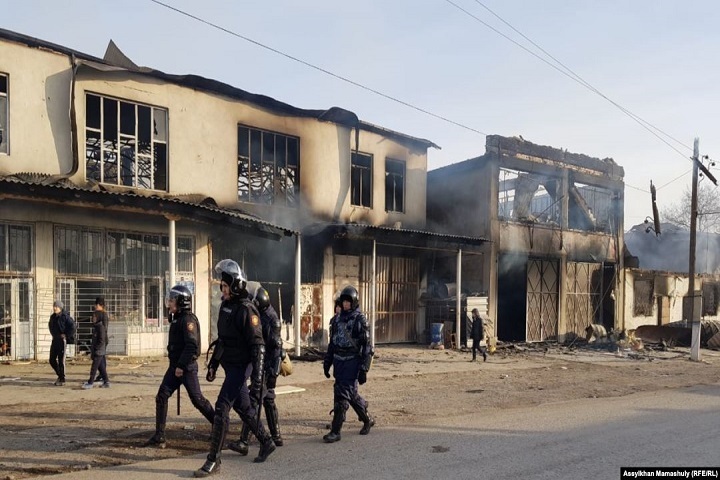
x,y
262,299
231,273
182,296
350,293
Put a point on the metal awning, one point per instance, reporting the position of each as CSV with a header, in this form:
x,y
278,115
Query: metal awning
x,y
68,194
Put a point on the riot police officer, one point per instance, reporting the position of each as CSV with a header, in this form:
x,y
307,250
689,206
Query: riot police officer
x,y
271,328
184,346
350,354
243,354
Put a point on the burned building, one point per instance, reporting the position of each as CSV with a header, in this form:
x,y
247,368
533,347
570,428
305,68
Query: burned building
x,y
119,180
555,221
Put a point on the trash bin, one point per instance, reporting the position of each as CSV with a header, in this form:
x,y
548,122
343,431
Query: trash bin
x,y
436,333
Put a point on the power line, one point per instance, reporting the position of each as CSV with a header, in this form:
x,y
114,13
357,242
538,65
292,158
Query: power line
x,y
579,78
634,117
674,179
320,69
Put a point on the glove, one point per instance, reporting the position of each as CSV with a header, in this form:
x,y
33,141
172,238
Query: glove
x,y
326,369
210,377
362,377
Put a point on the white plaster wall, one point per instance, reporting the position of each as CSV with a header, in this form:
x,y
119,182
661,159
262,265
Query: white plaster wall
x,y
39,120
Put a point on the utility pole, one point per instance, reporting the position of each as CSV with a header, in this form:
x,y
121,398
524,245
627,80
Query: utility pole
x,y
693,310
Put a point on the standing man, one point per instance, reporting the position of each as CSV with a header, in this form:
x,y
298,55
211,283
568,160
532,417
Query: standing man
x,y
103,319
478,335
350,354
271,328
243,355
97,352
184,346
58,326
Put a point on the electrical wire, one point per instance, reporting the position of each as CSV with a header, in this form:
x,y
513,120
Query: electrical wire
x,y
320,69
579,79
637,119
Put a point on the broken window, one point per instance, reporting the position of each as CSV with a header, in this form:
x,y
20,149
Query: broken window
x,y
125,143
268,167
15,248
528,197
590,208
361,179
710,298
138,255
4,114
643,297
79,251
394,185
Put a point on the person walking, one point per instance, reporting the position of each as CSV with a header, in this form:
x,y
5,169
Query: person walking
x,y
243,355
271,328
478,335
58,326
184,346
350,355
97,352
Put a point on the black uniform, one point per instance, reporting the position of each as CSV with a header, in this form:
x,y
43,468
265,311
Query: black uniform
x,y
240,332
183,350
349,353
271,331
58,325
478,334
98,350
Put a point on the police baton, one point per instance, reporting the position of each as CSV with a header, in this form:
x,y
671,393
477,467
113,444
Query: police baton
x,y
178,400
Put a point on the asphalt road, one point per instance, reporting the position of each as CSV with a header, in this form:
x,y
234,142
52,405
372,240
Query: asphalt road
x,y
589,438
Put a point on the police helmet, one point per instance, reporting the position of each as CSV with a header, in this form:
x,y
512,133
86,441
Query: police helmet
x,y
350,294
231,273
182,296
262,299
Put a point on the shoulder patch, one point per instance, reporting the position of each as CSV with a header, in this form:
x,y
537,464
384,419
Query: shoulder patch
x,y
191,326
255,320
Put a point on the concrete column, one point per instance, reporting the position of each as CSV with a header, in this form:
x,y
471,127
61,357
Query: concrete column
x,y
373,294
458,301
296,319
171,251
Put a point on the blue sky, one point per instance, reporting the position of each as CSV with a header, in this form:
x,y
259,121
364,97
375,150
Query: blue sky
x,y
656,58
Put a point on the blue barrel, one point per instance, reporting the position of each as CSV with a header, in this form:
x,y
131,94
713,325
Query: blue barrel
x,y
436,333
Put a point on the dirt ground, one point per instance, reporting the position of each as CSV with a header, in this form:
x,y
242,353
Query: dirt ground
x,y
48,429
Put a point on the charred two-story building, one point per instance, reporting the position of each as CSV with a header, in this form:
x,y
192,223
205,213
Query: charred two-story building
x,y
119,180
555,220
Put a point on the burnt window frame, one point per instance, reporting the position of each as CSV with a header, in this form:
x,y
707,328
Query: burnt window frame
x,y
391,201
140,139
16,257
643,304
5,129
263,178
358,193
710,287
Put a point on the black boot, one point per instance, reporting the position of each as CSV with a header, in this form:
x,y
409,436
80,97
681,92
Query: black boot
x,y
267,446
241,446
217,440
158,440
271,414
363,416
208,468
484,356
337,422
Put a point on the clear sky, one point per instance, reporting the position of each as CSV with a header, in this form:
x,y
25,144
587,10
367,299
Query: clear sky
x,y
657,58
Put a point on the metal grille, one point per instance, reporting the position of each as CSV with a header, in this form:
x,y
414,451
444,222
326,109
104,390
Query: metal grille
x,y
583,295
135,308
397,286
542,300
16,318
643,301
311,324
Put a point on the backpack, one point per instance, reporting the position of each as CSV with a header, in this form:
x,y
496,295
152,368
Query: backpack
x,y
70,329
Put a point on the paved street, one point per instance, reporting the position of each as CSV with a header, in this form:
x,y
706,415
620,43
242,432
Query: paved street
x,y
588,438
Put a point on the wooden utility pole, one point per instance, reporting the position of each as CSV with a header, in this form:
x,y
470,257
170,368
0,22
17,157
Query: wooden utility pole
x,y
693,314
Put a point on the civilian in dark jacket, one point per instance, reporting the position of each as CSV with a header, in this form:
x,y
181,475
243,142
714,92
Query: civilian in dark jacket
x,y
97,351
478,335
102,318
58,324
